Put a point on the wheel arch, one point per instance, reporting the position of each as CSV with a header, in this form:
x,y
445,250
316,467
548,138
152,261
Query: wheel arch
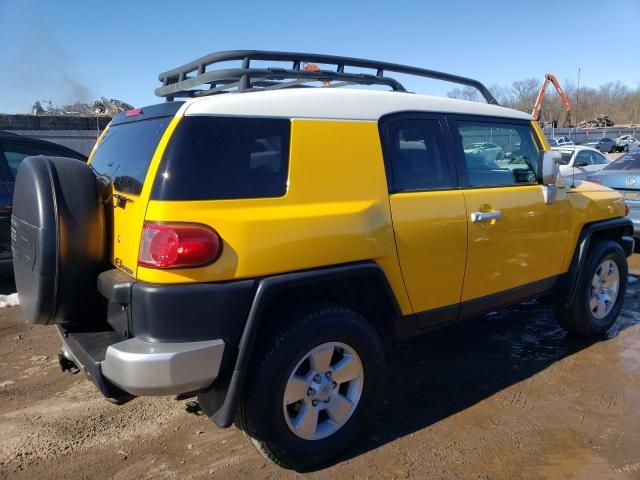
x,y
619,230
360,286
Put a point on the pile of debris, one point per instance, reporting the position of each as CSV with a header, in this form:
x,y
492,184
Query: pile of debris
x,y
598,122
103,107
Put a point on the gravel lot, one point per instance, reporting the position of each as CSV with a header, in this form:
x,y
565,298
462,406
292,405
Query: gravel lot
x,y
506,395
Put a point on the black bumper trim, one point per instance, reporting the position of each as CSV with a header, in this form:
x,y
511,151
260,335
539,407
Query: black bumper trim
x,y
88,350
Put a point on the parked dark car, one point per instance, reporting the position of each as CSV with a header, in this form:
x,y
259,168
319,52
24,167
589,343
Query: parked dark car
x,y
624,174
13,149
605,145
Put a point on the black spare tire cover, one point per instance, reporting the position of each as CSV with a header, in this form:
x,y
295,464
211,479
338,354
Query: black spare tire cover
x,y
57,238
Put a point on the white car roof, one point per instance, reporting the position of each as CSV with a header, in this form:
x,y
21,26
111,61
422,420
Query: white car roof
x,y
337,103
575,148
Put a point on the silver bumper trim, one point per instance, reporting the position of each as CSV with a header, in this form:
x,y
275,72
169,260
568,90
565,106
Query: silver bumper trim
x,y
145,368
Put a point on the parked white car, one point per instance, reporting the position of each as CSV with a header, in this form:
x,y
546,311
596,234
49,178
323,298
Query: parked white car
x,y
560,142
489,151
579,161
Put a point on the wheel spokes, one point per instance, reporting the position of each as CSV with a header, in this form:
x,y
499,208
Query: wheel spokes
x,y
320,358
307,420
296,389
345,370
601,309
339,408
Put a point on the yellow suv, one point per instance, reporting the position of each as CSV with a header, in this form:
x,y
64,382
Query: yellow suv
x,y
258,243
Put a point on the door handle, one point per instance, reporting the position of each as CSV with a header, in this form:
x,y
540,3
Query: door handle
x,y
485,216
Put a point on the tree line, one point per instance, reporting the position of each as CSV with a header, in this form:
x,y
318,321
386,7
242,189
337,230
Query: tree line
x,y
615,99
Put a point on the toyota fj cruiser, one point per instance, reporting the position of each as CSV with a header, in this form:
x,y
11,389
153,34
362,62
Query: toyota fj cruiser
x,y
257,247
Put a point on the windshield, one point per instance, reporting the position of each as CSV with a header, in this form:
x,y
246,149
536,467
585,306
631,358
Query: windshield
x,y
629,161
125,151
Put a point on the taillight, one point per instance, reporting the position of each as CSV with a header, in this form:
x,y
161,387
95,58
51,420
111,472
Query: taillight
x,y
626,209
134,112
178,245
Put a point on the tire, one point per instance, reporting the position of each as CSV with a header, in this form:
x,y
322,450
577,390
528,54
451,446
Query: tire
x,y
579,317
58,239
262,415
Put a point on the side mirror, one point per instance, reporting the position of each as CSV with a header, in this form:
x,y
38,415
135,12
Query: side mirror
x,y
551,160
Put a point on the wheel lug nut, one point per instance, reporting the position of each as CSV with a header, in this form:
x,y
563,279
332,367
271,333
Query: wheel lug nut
x,y
328,374
314,403
310,392
316,378
334,385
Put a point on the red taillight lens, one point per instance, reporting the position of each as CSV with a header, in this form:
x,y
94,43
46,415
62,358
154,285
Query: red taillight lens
x,y
134,112
178,245
626,209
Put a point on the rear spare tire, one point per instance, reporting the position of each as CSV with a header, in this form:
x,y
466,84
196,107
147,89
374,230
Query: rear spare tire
x,y
57,238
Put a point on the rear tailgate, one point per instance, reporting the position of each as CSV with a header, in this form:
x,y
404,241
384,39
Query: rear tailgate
x,y
126,156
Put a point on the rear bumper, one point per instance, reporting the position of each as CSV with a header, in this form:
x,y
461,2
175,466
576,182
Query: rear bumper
x,y
160,339
144,368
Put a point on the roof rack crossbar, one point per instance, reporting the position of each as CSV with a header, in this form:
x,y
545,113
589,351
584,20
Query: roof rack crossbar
x,y
181,81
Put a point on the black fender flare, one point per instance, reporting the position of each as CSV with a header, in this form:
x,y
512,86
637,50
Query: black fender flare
x,y
621,229
220,401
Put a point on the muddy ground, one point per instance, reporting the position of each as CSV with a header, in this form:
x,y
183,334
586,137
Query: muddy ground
x,y
506,395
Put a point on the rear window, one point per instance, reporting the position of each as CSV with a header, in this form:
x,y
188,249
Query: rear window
x,y
215,158
629,161
125,152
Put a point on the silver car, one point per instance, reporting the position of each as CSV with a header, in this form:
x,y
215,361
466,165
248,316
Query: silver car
x,y
624,174
578,162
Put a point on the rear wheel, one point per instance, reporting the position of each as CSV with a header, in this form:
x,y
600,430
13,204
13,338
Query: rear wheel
x,y
312,387
600,291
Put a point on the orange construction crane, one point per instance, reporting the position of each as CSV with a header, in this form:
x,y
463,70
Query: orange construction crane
x,y
536,108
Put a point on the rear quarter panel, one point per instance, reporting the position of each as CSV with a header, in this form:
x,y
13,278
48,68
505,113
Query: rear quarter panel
x,y
336,210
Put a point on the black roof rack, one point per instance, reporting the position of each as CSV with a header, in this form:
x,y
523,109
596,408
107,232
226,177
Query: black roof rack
x,y
185,80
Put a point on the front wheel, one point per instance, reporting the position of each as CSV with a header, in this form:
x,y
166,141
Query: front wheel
x,y
312,387
600,291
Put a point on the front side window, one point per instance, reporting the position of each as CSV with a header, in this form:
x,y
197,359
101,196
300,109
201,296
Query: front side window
x,y
598,159
498,154
583,158
418,156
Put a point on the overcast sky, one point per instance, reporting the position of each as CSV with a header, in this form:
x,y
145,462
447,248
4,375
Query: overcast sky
x,y
80,50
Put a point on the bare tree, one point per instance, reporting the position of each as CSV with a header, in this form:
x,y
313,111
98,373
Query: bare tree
x,y
615,99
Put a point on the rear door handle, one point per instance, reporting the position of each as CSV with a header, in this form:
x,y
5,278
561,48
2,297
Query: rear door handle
x,y
485,216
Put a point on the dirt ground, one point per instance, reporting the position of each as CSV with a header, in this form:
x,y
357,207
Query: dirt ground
x,y
506,395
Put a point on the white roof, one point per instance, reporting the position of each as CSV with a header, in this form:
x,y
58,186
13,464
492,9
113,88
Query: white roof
x,y
337,103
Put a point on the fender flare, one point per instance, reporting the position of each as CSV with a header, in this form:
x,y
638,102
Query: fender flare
x,y
220,403
565,290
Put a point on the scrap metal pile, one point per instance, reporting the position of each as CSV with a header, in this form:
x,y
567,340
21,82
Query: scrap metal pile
x,y
599,121
103,107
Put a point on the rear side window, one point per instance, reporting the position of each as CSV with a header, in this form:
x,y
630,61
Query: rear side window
x,y
125,152
216,158
418,155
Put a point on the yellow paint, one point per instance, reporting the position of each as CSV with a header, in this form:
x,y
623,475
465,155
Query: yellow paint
x,y
431,236
541,138
526,244
336,210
